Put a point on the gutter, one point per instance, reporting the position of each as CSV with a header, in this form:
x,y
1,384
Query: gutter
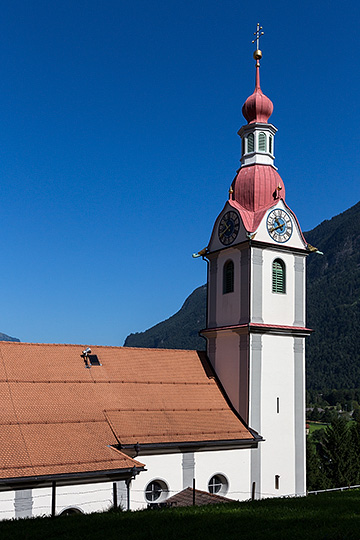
x,y
199,446
90,477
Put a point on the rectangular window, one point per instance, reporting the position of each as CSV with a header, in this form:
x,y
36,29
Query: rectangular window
x,y
278,405
94,360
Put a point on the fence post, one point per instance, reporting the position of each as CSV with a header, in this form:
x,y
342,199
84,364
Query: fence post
x,y
115,498
53,499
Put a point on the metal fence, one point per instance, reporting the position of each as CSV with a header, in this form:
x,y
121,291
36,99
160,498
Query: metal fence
x,y
332,489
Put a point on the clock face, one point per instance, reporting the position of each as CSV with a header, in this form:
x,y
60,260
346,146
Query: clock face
x,y
279,225
228,228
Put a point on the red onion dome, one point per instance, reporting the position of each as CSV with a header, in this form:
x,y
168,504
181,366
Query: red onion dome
x,y
257,186
257,107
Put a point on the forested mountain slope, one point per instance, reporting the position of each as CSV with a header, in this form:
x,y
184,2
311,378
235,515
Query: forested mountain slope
x,y
333,303
333,308
181,331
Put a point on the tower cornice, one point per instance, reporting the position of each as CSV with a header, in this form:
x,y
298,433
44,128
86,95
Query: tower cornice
x,y
257,328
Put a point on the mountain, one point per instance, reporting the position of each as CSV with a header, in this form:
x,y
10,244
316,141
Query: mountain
x,y
333,303
333,308
181,331
5,337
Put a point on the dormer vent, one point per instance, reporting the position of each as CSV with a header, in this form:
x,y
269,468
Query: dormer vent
x,y
90,359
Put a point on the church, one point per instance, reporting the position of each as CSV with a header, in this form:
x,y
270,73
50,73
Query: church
x,y
84,428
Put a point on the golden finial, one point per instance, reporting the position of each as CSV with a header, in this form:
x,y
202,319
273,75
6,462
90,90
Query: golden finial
x,y
257,34
231,191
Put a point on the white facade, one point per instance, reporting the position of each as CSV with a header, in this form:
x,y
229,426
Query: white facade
x,y
174,471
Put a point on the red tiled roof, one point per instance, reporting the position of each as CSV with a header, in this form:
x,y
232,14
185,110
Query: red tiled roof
x,y
186,498
60,417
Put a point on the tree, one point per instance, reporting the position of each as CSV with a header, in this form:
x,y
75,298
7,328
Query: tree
x,y
315,478
338,454
356,414
315,414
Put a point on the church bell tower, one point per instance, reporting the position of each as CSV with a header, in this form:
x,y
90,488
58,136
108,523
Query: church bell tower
x,y
256,306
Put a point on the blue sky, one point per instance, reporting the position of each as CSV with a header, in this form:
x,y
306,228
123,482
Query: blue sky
x,y
118,143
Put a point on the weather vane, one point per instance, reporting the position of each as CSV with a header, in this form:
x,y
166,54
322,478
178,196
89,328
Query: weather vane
x,y
257,34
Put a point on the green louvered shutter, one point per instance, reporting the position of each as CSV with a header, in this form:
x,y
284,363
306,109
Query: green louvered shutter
x,y
278,276
228,283
262,142
250,142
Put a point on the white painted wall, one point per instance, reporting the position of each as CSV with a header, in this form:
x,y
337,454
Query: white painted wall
x,y
7,510
233,464
278,452
228,305
278,308
84,497
227,364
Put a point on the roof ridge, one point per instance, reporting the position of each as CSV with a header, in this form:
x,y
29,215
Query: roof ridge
x,y
35,344
104,381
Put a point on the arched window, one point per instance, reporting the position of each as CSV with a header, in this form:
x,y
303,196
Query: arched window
x,y
270,144
262,142
278,276
228,277
250,143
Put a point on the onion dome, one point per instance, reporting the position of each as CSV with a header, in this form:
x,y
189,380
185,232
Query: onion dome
x,y
257,187
257,107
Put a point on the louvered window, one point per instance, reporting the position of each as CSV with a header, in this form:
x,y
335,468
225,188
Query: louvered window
x,y
278,276
250,141
262,142
270,144
242,147
228,283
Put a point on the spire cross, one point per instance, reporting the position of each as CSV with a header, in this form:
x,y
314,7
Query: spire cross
x,y
258,35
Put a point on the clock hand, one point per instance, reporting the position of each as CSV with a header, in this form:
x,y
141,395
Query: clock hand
x,y
224,231
278,227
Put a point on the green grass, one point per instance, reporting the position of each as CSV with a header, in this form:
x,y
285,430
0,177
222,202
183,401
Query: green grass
x,y
330,516
313,426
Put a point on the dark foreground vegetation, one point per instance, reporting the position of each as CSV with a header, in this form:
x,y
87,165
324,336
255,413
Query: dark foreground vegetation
x,y
330,516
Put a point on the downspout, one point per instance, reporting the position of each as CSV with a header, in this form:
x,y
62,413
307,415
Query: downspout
x,y
128,485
